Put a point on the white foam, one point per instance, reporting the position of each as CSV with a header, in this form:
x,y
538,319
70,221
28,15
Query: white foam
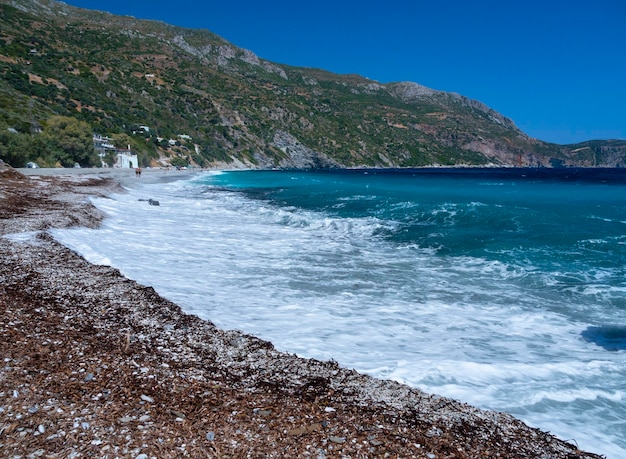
x,y
29,237
326,287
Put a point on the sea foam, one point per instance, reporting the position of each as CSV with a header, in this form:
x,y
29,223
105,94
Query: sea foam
x,y
494,321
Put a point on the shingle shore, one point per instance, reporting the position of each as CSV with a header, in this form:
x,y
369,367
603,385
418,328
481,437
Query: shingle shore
x,y
94,364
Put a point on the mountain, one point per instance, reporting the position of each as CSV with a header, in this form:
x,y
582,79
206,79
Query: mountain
x,y
189,94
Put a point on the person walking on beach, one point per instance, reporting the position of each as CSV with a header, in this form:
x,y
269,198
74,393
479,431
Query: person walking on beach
x,y
138,172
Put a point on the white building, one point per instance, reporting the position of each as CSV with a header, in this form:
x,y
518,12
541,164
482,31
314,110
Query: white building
x,y
103,145
126,159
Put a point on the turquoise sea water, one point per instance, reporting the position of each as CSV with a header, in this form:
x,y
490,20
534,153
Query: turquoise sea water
x,y
501,288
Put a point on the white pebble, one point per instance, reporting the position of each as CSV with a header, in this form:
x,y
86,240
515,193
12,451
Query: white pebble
x,y
147,398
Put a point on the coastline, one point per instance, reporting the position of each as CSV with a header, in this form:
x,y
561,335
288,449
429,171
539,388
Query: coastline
x,y
97,364
125,177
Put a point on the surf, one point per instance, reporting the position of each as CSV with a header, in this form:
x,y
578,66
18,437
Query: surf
x,y
482,286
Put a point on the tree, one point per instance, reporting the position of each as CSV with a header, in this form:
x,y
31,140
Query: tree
x,y
71,141
12,147
123,140
177,161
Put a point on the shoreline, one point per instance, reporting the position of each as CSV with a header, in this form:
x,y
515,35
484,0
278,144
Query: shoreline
x,y
99,364
125,177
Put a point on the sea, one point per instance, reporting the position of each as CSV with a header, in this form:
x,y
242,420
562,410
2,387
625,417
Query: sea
x,y
501,288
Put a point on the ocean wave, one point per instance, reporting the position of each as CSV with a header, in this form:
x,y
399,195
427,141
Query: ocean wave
x,y
475,300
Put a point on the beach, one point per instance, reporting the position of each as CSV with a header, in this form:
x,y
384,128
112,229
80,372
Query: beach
x,y
95,364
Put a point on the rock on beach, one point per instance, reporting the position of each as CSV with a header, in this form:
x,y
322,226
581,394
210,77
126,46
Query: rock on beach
x,y
94,364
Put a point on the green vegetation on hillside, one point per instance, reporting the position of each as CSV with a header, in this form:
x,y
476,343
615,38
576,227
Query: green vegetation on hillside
x,y
205,101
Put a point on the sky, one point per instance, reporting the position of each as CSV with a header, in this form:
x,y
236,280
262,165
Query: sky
x,y
556,68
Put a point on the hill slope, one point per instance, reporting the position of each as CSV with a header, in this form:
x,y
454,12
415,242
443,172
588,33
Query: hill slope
x,y
232,107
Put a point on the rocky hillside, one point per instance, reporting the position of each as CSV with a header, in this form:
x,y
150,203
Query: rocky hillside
x,y
190,94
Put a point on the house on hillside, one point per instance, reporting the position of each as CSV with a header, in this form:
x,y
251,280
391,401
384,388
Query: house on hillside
x,y
126,159
103,145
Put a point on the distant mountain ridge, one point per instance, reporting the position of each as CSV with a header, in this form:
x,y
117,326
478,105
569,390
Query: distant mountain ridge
x,y
234,108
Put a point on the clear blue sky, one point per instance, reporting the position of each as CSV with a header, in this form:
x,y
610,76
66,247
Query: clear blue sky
x,y
556,67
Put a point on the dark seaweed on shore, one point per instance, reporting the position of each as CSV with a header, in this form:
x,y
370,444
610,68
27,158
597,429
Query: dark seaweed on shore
x,y
95,364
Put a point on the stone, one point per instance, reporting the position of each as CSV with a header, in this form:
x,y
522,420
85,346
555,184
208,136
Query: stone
x,y
178,414
297,431
314,427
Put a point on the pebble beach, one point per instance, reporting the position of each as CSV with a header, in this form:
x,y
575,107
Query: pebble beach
x,y
94,364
